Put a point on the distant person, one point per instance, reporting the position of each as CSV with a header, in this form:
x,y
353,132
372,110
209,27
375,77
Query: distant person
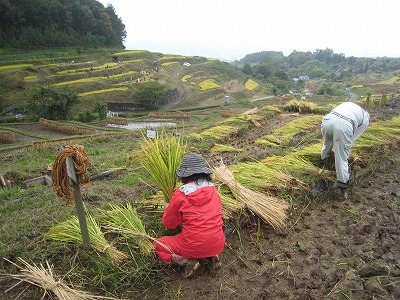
x,y
196,206
340,129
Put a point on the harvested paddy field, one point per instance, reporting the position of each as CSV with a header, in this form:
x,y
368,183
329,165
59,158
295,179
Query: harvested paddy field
x,y
330,248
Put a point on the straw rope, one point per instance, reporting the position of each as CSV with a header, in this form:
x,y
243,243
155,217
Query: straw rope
x,y
60,178
270,209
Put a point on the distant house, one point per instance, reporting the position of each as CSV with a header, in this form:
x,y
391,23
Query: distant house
x,y
186,64
294,92
304,78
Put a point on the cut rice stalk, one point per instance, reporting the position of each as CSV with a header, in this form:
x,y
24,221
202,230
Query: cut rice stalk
x,y
70,232
45,278
270,209
161,157
120,218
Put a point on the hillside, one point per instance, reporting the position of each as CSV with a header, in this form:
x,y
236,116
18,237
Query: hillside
x,y
116,77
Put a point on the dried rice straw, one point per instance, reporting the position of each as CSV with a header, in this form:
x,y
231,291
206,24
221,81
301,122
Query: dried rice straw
x,y
270,209
44,278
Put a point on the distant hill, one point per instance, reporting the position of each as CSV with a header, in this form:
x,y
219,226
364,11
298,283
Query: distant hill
x,y
32,24
257,57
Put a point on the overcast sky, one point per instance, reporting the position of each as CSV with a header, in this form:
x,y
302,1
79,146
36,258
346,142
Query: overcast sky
x,y
230,29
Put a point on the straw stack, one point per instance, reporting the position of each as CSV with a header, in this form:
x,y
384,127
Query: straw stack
x,y
270,209
44,278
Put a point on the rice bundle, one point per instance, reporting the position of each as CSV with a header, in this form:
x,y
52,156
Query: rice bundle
x,y
270,209
230,206
220,132
161,157
70,232
120,218
265,178
154,203
297,126
297,167
44,278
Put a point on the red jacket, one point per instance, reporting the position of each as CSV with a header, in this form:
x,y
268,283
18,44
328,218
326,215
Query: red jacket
x,y
197,206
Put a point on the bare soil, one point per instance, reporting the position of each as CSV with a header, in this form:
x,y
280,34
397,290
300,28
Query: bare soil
x,y
333,249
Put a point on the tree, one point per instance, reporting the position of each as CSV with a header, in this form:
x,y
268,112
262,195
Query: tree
x,y
247,69
50,103
151,93
101,109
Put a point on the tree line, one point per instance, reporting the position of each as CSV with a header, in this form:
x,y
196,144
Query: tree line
x,y
30,24
272,67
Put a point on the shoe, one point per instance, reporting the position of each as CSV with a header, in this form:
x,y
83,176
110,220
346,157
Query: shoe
x,y
191,266
215,263
340,194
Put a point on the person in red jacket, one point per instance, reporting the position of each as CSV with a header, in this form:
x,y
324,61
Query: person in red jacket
x,y
196,206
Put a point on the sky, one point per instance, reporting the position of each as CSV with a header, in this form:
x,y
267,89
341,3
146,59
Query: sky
x,y
230,29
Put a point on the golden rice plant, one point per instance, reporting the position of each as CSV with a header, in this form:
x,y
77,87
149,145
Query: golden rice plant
x,y
45,278
161,157
269,140
217,148
154,203
251,85
298,167
220,132
166,64
270,209
260,177
185,78
230,205
270,108
300,106
310,152
298,125
126,220
70,232
208,84
16,66
121,89
129,52
196,136
82,80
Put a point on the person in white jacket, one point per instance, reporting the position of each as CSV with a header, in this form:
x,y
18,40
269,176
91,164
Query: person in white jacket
x,y
340,129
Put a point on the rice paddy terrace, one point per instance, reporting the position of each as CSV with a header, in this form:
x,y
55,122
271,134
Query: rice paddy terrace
x,y
328,248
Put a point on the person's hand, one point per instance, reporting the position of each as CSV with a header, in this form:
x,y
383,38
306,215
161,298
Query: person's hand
x,y
165,204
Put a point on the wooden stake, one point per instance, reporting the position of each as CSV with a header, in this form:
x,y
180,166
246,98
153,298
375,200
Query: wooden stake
x,y
80,209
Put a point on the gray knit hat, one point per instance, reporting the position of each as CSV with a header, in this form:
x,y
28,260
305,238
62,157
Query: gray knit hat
x,y
192,163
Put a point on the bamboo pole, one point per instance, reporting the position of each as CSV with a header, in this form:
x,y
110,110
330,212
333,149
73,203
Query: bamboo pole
x,y
80,209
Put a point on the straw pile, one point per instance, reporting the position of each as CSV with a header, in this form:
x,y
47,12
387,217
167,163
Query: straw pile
x,y
44,278
117,121
270,209
169,115
7,136
65,127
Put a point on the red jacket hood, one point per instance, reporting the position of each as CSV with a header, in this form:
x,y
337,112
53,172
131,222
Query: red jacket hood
x,y
198,192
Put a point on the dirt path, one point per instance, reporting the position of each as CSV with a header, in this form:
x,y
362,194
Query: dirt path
x,y
332,250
